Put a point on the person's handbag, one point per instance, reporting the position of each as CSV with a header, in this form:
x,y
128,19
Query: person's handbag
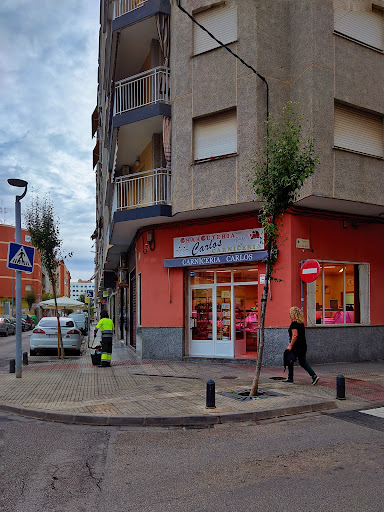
x,y
289,358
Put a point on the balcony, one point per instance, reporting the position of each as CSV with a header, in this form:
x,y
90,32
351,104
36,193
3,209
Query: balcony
x,y
139,200
147,88
121,7
146,188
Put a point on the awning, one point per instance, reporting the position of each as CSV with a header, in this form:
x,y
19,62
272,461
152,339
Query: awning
x,y
96,154
216,259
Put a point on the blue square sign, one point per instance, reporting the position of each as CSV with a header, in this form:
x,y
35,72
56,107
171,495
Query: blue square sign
x,y
20,257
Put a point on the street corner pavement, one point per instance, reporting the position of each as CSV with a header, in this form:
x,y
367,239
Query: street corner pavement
x,y
172,393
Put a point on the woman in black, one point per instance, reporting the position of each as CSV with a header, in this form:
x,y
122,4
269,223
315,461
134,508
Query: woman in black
x,y
298,344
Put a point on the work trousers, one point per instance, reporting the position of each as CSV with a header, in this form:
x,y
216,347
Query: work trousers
x,y
106,348
303,363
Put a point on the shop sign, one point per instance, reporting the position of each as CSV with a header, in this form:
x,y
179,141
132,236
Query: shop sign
x,y
246,240
217,259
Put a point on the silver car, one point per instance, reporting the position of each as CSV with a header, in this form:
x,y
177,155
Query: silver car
x,y
44,335
6,326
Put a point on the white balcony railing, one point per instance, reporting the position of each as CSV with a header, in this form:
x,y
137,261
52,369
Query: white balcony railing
x,y
121,7
144,188
146,88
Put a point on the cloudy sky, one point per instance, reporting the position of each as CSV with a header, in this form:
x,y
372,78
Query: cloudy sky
x,y
48,86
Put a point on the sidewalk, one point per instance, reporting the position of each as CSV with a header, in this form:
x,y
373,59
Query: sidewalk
x,y
172,393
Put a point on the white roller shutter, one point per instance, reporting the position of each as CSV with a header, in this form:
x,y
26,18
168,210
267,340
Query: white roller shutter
x,y
358,131
221,22
364,26
215,135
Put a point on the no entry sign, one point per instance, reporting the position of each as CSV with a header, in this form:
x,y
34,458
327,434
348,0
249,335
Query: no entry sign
x,y
310,271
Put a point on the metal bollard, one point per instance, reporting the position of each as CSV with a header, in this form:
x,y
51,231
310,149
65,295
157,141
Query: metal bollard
x,y
340,387
25,358
12,366
210,402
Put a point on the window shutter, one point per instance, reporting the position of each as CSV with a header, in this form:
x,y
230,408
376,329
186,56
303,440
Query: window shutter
x,y
215,135
364,26
358,131
221,22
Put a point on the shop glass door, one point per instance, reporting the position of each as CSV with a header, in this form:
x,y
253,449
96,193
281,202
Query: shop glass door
x,y
201,322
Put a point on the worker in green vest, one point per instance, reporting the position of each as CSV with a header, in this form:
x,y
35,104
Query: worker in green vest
x,y
106,327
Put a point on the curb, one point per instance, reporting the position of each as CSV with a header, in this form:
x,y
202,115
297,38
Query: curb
x,y
165,421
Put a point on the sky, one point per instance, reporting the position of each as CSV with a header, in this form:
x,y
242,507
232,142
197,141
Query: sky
x,y
48,88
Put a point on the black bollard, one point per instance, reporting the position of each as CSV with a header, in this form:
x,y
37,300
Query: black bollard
x,y
25,358
210,403
12,366
340,387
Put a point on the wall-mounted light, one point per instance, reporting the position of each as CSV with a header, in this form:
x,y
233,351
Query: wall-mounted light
x,y
137,161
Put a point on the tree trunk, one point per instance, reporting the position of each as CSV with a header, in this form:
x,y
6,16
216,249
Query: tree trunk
x,y
60,346
260,348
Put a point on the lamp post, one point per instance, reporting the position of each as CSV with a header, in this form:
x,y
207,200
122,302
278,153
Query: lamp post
x,y
20,184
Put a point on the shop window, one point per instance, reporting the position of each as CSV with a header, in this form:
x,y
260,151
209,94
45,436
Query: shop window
x,y
215,136
221,22
245,275
201,277
340,295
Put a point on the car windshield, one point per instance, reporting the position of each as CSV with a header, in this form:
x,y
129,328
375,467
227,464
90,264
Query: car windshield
x,y
52,322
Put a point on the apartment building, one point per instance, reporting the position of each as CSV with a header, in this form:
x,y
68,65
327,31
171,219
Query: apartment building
x,y
179,248
31,283
80,287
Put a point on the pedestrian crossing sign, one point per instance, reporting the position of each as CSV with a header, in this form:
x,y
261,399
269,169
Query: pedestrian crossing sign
x,y
20,257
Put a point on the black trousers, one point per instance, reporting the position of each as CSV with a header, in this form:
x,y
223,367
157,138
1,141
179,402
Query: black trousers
x,y
106,350
303,363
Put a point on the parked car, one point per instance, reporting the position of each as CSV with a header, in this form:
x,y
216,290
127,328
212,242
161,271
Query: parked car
x,y
6,326
24,325
44,335
81,321
29,320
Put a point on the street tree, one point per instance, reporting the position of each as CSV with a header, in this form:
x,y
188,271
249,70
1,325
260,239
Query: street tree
x,y
43,227
30,298
279,171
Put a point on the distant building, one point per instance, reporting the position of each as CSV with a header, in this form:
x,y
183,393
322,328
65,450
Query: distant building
x,y
30,282
80,287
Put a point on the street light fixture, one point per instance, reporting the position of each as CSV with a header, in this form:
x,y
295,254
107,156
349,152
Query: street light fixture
x,y
18,183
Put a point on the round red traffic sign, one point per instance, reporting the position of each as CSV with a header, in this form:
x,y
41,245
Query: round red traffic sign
x,y
310,271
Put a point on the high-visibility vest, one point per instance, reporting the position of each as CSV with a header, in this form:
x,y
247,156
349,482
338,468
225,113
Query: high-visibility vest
x,y
105,324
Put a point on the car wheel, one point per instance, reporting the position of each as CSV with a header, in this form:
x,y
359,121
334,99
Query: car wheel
x,y
32,352
6,333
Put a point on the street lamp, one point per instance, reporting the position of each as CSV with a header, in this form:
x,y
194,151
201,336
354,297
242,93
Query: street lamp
x,y
20,184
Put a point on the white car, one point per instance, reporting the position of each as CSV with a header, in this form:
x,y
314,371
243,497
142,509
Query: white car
x,y
81,321
44,335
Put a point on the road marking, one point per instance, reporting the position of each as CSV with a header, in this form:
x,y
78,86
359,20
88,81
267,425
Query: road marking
x,y
379,412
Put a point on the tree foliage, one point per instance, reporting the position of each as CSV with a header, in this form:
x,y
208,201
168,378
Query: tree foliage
x,y
30,298
44,230
279,172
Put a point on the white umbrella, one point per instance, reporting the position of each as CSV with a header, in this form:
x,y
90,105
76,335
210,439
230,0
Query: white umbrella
x,y
63,302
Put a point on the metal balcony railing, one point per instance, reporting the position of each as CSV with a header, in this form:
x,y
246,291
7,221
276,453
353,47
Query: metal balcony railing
x,y
146,88
144,188
121,7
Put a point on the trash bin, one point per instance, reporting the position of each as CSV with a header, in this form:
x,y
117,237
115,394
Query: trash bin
x,y
96,358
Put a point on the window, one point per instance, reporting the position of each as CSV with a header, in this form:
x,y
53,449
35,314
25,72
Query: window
x,y
215,135
340,295
363,26
28,287
221,22
358,131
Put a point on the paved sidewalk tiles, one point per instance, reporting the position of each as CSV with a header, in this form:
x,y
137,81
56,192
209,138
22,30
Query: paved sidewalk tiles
x,y
165,393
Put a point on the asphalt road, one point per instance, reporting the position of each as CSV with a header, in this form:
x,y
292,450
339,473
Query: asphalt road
x,y
304,463
8,347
